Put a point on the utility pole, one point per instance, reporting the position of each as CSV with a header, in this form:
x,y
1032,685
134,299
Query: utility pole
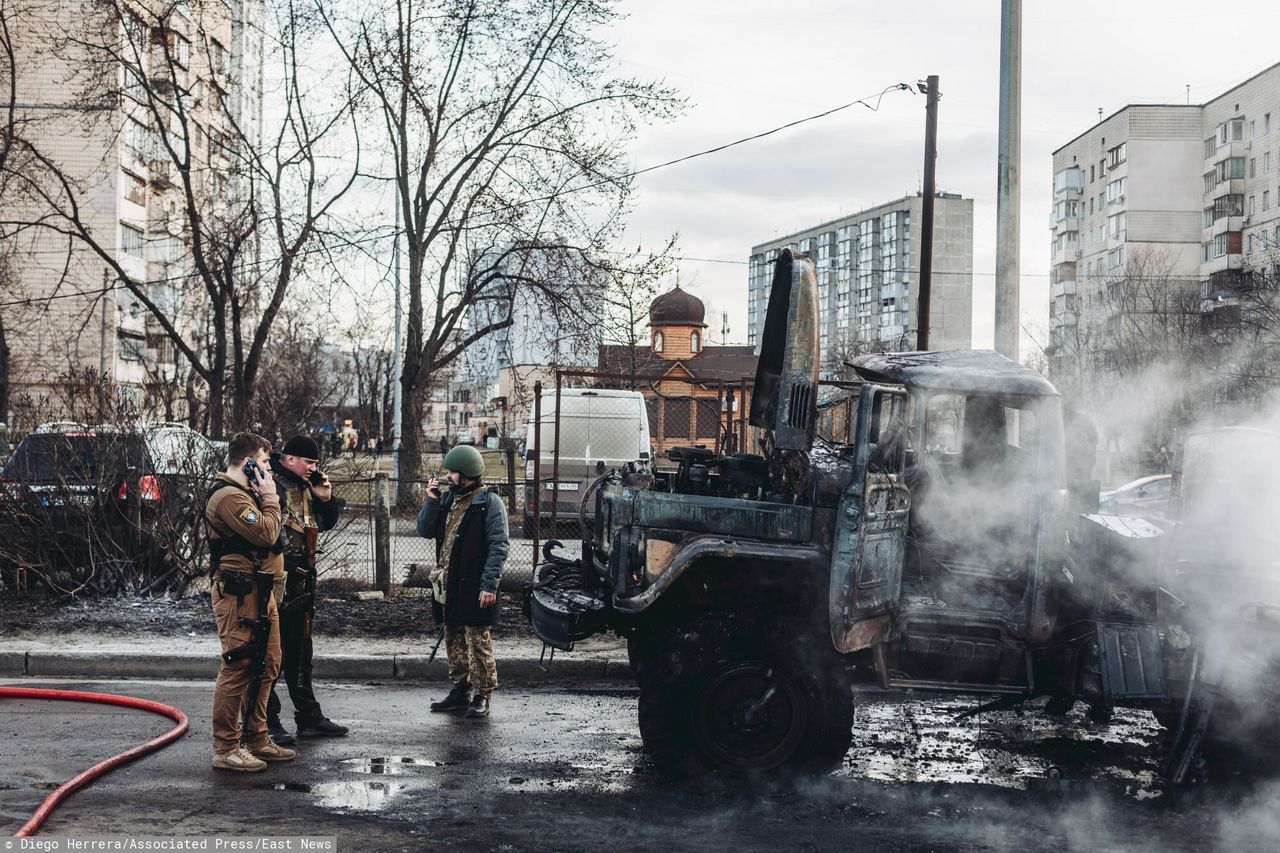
x,y
1008,308
108,302
397,357
926,227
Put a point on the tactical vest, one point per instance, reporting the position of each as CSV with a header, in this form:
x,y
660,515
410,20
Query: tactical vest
x,y
295,518
220,546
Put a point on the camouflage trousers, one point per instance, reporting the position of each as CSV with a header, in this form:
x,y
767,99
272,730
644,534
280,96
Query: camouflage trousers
x,y
471,658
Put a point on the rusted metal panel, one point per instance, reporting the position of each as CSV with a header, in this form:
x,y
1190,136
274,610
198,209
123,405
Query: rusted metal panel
x,y
864,634
723,516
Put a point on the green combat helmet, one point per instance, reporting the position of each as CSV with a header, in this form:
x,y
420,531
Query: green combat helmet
x,y
466,460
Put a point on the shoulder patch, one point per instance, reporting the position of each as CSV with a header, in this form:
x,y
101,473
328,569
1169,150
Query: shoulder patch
x,y
249,515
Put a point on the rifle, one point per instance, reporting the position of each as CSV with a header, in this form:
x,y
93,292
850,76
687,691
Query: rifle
x,y
306,600
257,646
439,640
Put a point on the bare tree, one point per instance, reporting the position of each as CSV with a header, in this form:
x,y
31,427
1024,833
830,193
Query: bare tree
x,y
243,205
504,129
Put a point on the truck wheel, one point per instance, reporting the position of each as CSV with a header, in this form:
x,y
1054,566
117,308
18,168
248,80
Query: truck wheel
x,y
728,692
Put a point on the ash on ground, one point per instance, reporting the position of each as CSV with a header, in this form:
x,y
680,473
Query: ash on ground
x,y
401,616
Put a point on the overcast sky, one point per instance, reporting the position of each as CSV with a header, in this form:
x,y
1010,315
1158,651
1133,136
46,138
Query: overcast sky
x,y
749,65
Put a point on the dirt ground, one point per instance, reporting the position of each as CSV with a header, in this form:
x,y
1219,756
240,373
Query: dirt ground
x,y
399,616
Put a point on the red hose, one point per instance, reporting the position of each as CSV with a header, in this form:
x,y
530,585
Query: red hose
x,y
85,777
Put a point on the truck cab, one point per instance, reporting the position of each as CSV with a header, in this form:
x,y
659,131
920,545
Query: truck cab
x,y
928,551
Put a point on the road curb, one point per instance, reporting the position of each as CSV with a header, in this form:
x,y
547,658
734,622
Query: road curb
x,y
46,663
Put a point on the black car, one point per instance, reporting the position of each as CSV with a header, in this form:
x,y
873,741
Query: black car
x,y
110,507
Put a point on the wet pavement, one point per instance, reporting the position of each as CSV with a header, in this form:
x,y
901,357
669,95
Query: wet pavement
x,y
563,769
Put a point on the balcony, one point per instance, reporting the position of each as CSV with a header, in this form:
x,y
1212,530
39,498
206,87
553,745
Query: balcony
x,y
894,290
1222,263
1063,288
1231,186
1067,223
1067,252
1223,224
1065,318
1239,148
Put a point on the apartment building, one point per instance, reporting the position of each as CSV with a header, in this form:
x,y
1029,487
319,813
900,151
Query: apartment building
x,y
868,266
93,86
1183,194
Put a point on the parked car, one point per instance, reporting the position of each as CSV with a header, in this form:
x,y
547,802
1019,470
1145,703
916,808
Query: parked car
x,y
600,429
1147,497
74,496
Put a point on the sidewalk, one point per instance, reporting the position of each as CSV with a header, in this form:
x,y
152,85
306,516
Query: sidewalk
x,y
88,655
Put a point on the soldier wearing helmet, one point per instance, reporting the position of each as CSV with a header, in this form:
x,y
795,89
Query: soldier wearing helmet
x,y
469,525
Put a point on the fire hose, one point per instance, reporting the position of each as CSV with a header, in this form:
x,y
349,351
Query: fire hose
x,y
83,778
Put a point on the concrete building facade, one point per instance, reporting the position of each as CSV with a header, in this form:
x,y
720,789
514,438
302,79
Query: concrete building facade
x,y
70,314
1188,194
868,266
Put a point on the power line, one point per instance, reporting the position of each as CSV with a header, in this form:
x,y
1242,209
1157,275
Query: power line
x,y
866,101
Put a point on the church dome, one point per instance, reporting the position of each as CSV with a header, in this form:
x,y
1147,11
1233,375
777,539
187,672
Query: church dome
x,y
677,307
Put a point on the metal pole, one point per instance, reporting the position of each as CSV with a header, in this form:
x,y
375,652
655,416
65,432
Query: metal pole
x,y
1007,178
107,302
535,496
555,460
381,534
397,361
926,213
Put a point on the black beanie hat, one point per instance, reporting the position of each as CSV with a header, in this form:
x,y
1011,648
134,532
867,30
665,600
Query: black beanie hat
x,y
302,445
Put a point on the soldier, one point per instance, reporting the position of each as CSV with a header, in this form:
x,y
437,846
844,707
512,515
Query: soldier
x,y
243,521
306,503
469,525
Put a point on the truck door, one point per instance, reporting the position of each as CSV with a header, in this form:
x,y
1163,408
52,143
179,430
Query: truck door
x,y
871,523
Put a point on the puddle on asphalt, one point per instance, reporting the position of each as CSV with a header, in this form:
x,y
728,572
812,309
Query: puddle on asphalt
x,y
392,765
921,741
353,796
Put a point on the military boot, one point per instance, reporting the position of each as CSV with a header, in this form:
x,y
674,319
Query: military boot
x,y
323,727
479,707
457,700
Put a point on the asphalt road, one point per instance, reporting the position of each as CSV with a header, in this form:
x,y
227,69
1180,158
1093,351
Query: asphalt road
x,y
562,769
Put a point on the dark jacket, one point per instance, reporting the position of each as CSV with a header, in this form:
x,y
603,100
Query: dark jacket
x,y
325,512
479,550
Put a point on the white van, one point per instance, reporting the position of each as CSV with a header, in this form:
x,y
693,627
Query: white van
x,y
599,427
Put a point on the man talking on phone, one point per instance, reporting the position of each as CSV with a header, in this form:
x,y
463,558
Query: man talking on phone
x,y
242,519
306,504
469,525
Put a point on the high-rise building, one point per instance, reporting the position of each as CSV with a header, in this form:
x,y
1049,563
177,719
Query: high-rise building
x,y
1181,196
868,269
93,85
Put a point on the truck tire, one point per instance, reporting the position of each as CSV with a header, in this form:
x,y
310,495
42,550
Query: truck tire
x,y
701,695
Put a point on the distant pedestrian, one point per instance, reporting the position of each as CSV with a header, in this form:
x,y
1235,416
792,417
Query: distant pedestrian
x,y
378,447
1164,464
469,525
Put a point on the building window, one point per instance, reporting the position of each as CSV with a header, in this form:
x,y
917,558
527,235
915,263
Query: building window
x,y
1210,147
1248,245
135,189
1115,191
131,349
1253,129
130,240
1266,200
695,343
657,341
1210,181
1266,123
1253,167
1266,161
1116,156
1252,209
1117,226
1230,169
1115,258
1208,217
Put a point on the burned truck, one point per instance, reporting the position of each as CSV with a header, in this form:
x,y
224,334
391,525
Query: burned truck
x,y
928,551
